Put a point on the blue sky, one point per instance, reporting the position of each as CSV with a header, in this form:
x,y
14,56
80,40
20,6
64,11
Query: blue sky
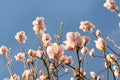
x,y
17,15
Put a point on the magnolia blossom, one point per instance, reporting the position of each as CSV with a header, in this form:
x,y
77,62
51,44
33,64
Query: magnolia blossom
x,y
15,77
39,26
101,44
67,60
3,50
84,51
20,56
93,74
46,39
28,61
32,54
40,54
27,74
107,64
21,37
116,71
86,40
55,51
111,5
75,41
98,33
86,26
91,52
111,58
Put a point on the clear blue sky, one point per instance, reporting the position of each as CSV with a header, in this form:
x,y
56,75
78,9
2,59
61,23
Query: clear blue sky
x,y
17,15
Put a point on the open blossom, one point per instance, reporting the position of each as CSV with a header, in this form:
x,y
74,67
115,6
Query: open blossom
x,y
3,50
32,54
111,5
101,44
20,56
86,26
21,37
75,41
111,58
55,51
39,26
46,39
15,77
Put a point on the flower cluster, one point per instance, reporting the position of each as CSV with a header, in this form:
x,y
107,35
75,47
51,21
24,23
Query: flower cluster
x,y
52,55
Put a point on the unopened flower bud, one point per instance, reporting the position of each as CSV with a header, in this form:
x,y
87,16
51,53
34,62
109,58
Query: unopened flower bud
x,y
66,70
93,74
71,78
98,33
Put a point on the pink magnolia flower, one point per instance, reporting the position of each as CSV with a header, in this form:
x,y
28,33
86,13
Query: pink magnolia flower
x,y
111,5
40,54
27,74
55,51
84,51
39,26
32,54
93,74
21,37
15,77
3,50
20,56
111,58
98,33
91,53
86,26
74,41
46,39
86,40
101,44
67,60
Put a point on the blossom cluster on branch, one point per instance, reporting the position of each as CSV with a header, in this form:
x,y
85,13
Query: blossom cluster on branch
x,y
52,54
